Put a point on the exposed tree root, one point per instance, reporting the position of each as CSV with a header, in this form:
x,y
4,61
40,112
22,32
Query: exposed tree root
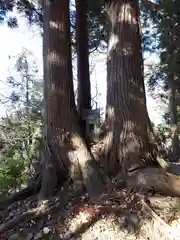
x,y
117,197
24,193
42,210
155,179
33,213
153,213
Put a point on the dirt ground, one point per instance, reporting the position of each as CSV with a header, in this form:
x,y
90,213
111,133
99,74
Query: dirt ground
x,y
116,215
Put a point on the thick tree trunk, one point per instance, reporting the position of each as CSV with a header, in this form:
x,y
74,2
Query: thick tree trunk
x,y
64,147
173,118
127,141
84,85
172,98
128,129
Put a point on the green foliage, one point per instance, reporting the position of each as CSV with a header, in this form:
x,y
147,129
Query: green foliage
x,y
166,24
15,236
148,38
31,9
11,171
97,28
167,30
20,130
163,135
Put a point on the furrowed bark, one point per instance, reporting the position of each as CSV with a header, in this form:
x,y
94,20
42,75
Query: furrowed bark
x,y
65,152
127,141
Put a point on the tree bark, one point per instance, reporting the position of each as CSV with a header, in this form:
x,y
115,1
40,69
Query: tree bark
x,y
173,118
65,152
127,142
172,97
84,85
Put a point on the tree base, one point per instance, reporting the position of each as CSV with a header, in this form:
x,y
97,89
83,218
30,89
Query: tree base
x,y
124,205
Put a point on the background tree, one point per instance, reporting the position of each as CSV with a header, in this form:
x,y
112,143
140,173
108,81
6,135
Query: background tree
x,y
82,47
166,75
31,9
20,136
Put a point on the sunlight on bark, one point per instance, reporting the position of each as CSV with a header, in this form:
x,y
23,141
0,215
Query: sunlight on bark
x,y
55,90
56,25
78,156
110,112
77,148
53,87
108,142
174,128
112,44
139,99
109,135
47,3
76,141
127,14
54,58
42,205
132,144
130,125
174,131
127,49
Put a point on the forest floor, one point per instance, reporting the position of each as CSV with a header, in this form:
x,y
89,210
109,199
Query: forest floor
x,y
123,215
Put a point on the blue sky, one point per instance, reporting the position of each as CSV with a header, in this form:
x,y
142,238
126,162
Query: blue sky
x,y
14,40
